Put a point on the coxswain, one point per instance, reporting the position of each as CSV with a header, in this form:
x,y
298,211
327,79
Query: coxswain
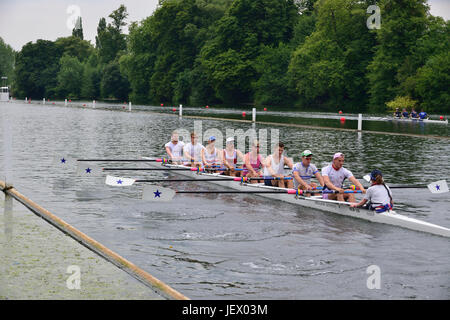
x,y
378,195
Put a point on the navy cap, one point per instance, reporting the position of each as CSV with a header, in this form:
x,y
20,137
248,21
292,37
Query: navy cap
x,y
374,174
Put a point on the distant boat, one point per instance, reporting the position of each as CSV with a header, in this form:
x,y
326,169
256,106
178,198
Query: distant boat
x,y
411,120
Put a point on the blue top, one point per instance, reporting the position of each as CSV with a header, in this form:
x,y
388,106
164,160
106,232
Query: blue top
x,y
423,115
413,114
405,114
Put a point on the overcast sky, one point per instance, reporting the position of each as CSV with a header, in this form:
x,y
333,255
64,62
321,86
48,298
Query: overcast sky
x,y
22,21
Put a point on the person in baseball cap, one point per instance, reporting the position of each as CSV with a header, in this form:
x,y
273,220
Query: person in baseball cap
x,y
304,170
378,195
334,176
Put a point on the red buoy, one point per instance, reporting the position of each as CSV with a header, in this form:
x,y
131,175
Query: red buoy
x,y
162,104
265,109
207,107
70,100
174,109
340,111
243,114
342,119
441,117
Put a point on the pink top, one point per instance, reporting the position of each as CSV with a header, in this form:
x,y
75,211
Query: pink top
x,y
255,164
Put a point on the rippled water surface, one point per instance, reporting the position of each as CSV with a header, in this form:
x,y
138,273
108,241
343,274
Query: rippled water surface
x,y
220,246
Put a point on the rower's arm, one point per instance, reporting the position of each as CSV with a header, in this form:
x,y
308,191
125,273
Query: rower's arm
x,y
359,204
203,157
169,153
289,163
320,179
248,164
328,183
299,179
269,166
357,184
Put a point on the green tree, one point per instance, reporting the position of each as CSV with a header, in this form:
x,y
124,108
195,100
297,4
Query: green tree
x,y
7,58
328,69
113,83
110,41
70,77
90,88
36,69
403,22
78,29
75,47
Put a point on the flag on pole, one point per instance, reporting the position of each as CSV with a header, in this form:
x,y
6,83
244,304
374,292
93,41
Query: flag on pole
x,y
157,193
438,186
119,181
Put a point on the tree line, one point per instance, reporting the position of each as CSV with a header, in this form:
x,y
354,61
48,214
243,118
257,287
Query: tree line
x,y
308,54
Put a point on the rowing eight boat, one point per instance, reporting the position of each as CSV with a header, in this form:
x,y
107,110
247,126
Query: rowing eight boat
x,y
316,202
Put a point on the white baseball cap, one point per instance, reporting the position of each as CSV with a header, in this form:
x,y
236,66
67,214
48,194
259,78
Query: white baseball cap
x,y
230,139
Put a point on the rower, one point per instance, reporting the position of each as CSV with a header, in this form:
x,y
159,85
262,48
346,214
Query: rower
x,y
378,195
303,172
253,163
423,115
211,156
397,113
174,148
230,158
405,114
275,168
414,114
193,151
334,176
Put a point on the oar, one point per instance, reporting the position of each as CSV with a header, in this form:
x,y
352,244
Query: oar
x,y
123,182
93,170
157,193
434,187
64,160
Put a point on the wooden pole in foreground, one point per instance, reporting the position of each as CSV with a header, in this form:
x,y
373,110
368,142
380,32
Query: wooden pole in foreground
x,y
146,278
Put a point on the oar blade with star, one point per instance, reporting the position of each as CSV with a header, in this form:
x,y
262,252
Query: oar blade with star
x,y
88,170
119,181
438,186
157,193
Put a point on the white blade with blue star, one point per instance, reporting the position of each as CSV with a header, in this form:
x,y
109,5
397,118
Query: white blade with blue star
x,y
157,193
119,181
438,186
86,169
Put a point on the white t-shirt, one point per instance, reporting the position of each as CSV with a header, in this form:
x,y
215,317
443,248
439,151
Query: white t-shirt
x,y
194,151
306,173
378,195
176,149
336,177
278,168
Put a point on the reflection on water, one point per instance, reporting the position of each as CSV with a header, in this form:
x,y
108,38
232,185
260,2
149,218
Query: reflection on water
x,y
237,246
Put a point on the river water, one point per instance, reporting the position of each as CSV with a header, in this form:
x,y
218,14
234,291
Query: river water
x,y
222,246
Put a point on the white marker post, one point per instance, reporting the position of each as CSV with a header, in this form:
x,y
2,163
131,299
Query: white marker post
x,y
65,102
43,101
181,111
254,115
93,104
360,122
129,106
